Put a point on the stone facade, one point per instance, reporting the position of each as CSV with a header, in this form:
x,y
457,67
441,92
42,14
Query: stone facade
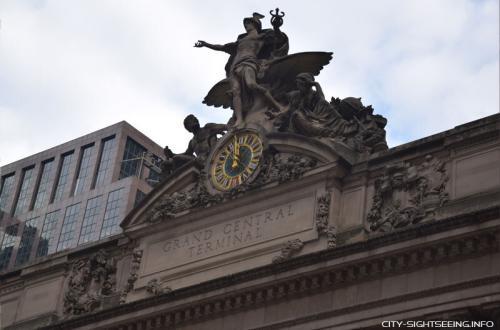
x,y
293,215
411,233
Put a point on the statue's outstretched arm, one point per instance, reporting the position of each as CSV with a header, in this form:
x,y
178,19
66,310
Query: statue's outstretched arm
x,y
223,48
228,48
220,128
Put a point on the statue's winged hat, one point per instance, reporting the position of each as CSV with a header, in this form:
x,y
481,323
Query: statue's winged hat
x,y
255,19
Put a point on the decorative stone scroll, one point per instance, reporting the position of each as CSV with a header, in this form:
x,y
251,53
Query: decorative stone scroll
x,y
322,223
89,281
291,247
407,194
154,288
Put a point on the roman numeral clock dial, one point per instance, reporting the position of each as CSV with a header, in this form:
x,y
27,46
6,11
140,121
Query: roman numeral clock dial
x,y
236,160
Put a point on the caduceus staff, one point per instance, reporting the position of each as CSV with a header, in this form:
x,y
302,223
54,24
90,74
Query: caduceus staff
x,y
277,18
276,22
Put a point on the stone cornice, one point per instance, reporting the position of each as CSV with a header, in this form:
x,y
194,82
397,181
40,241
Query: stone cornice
x,y
479,131
479,242
387,301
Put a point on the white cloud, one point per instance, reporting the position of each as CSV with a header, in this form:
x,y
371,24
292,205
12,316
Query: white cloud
x,y
68,68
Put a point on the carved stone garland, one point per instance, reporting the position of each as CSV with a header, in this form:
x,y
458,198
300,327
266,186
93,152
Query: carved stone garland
x,y
274,168
90,280
322,223
407,194
133,275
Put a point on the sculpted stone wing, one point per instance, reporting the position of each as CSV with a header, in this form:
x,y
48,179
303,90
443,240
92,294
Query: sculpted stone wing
x,y
219,96
279,73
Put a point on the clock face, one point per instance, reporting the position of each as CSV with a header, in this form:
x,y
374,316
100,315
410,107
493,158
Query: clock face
x,y
236,161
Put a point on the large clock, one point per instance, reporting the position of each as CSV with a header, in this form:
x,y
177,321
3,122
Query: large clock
x,y
236,161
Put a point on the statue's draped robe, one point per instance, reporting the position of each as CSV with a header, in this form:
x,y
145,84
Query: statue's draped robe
x,y
312,115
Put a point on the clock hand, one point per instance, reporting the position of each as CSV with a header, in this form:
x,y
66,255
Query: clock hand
x,y
236,153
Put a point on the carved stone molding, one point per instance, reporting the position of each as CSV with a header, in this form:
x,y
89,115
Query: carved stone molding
x,y
326,279
291,247
11,288
476,244
407,194
133,275
322,220
90,279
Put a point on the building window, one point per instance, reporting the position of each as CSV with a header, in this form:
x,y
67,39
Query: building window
x,y
153,177
27,240
43,186
153,163
132,158
139,196
68,227
47,243
90,219
6,191
7,247
84,171
105,161
111,215
23,198
63,177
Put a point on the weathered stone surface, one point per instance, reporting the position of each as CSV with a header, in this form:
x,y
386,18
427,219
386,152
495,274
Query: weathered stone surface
x,y
475,172
231,234
41,298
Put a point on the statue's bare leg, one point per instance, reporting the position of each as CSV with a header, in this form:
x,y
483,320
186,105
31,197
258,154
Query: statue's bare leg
x,y
237,103
251,82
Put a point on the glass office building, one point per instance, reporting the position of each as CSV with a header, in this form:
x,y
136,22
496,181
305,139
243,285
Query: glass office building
x,y
73,194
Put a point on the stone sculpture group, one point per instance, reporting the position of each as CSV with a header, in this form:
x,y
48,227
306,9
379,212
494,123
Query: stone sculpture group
x,y
277,92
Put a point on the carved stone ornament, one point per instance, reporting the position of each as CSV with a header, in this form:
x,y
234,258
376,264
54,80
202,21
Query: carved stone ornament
x,y
169,206
288,168
322,223
154,287
89,281
291,247
408,194
133,275
278,167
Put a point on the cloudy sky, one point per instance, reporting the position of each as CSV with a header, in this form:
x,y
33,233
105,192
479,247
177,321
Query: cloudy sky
x,y
68,68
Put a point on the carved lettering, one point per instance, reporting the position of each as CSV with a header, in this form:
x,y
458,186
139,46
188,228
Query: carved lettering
x,y
233,234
